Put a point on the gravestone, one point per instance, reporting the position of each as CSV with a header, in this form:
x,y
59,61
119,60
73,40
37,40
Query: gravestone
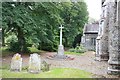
x,y
45,66
16,63
34,63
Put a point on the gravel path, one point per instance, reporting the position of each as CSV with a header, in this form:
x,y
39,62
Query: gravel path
x,y
84,62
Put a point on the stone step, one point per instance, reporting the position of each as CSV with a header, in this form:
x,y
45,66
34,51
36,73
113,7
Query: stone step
x,y
115,70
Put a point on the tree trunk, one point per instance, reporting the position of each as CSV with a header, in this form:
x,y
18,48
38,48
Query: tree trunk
x,y
39,46
66,41
3,37
21,40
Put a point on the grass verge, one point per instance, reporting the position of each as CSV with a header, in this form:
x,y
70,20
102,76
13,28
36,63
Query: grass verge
x,y
53,73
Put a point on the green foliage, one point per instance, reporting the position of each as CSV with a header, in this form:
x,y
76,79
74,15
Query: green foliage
x,y
6,51
72,53
48,47
75,15
34,50
15,47
72,50
78,49
11,38
16,18
37,23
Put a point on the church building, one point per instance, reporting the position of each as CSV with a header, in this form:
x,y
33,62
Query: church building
x,y
90,33
108,40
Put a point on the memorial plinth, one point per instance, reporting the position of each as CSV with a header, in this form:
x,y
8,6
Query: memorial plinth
x,y
60,50
60,53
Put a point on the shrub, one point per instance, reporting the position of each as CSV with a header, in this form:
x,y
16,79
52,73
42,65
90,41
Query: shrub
x,y
15,47
48,47
11,38
78,49
72,50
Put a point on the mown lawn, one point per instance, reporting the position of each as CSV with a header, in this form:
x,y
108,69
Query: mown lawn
x,y
53,73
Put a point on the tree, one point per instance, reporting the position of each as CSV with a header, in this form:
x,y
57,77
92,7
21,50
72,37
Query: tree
x,y
38,23
75,15
16,18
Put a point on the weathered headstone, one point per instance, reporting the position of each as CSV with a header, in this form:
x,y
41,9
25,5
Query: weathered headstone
x,y
45,66
34,63
16,63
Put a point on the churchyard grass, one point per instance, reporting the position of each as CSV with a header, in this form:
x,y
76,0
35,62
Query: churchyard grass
x,y
53,73
35,50
72,53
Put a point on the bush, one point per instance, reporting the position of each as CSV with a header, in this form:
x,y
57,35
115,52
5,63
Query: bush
x,y
15,47
11,38
78,49
34,50
72,50
48,47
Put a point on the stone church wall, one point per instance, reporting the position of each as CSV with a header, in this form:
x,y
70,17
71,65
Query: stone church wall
x,y
108,40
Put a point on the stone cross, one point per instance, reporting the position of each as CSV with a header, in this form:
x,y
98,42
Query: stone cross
x,y
61,47
16,63
61,34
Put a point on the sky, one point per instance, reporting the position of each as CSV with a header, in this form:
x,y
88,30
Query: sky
x,y
94,8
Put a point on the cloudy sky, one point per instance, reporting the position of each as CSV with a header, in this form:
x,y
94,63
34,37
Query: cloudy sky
x,y
94,8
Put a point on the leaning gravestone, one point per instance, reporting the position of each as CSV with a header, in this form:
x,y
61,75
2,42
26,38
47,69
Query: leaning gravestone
x,y
16,63
45,66
34,63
